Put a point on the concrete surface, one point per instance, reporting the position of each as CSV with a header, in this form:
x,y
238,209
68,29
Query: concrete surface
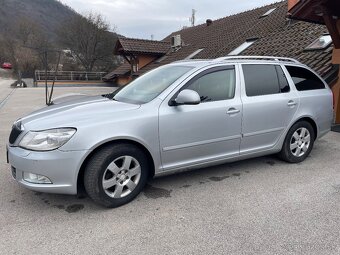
x,y
258,206
336,128
29,82
6,73
5,81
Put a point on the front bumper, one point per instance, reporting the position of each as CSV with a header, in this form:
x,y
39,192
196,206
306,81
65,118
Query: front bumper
x,y
59,166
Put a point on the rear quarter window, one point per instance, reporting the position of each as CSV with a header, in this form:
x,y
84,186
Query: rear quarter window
x,y
304,79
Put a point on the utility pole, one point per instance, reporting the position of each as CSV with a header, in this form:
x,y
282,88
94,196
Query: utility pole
x,y
192,19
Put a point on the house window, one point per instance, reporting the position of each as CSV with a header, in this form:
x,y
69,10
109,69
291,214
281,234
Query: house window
x,y
242,47
320,43
194,54
267,13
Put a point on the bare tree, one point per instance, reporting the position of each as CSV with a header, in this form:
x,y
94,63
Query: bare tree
x,y
22,46
89,39
28,44
25,30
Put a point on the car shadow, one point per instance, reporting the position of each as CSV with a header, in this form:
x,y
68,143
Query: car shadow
x,y
157,188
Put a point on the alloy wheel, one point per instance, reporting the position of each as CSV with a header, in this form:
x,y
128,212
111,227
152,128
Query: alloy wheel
x,y
121,177
300,142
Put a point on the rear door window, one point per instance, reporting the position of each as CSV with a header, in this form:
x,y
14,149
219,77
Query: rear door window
x,y
305,79
263,80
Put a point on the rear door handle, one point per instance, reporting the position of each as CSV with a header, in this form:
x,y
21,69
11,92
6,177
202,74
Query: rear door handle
x,y
291,103
232,111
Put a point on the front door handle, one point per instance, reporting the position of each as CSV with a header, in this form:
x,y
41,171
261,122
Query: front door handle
x,y
232,111
291,103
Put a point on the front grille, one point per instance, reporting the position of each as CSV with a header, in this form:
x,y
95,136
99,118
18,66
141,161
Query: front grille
x,y
16,131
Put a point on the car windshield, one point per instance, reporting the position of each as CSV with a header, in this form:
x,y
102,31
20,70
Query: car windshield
x,y
150,85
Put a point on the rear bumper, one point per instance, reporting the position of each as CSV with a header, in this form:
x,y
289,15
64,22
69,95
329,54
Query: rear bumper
x,y
325,125
59,166
323,132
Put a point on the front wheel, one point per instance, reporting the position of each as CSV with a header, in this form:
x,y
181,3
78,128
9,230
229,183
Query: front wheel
x,y
116,174
298,143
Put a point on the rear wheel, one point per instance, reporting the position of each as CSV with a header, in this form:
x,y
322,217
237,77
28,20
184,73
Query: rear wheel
x,y
116,174
298,143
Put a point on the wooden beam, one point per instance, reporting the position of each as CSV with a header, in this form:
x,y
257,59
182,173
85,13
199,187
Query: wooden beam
x,y
336,56
292,3
331,24
126,58
134,61
118,47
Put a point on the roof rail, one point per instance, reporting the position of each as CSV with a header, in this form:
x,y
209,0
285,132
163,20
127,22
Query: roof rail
x,y
258,58
190,60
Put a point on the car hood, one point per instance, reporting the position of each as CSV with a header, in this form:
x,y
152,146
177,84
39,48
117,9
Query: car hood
x,y
69,97
77,112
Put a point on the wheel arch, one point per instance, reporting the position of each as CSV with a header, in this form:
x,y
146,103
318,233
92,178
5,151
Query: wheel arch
x,y
311,121
80,177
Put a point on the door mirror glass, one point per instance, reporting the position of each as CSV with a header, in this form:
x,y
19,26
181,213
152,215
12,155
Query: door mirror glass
x,y
187,97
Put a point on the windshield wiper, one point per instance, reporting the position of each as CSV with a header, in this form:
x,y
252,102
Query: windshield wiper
x,y
110,96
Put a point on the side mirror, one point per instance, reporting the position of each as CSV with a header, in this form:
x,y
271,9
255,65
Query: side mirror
x,y
187,97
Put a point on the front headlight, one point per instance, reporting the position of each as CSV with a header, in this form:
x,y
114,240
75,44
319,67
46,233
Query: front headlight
x,y
46,140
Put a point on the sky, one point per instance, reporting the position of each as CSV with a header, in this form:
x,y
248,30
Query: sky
x,y
156,19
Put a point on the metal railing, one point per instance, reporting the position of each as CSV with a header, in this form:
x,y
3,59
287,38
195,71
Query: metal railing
x,y
72,76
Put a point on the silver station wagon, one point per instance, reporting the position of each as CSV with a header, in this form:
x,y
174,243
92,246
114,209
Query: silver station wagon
x,y
185,115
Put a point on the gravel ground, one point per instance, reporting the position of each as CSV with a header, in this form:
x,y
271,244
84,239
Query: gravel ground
x,y
257,206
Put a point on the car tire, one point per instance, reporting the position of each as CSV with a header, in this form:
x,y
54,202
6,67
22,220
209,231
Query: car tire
x,y
298,143
116,174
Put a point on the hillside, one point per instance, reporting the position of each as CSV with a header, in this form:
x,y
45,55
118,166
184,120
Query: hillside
x,y
28,26
46,13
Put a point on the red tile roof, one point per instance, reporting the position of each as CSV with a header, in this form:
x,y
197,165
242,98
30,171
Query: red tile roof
x,y
277,36
120,70
138,46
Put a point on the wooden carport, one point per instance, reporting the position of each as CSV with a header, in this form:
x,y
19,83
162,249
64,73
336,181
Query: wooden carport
x,y
323,12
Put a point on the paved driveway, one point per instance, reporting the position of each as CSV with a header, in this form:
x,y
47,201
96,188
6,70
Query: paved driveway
x,y
258,206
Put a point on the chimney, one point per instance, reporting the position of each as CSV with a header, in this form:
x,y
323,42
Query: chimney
x,y
209,22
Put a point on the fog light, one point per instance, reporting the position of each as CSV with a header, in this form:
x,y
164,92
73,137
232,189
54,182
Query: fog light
x,y
36,178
